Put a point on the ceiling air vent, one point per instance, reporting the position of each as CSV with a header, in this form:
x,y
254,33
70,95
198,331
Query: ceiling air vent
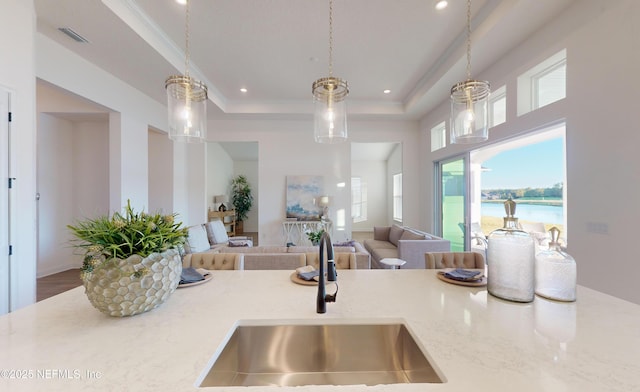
x,y
73,35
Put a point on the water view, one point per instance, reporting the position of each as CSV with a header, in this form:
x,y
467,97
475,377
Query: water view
x,y
527,212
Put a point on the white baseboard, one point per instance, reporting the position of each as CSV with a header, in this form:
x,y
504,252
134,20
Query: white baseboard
x,y
42,272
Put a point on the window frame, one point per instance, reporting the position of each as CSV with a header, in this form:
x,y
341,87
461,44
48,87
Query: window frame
x,y
397,197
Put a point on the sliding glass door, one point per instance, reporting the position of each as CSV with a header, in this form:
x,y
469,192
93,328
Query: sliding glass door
x,y
453,193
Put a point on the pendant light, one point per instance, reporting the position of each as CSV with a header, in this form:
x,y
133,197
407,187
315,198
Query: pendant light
x,y
469,103
330,110
186,101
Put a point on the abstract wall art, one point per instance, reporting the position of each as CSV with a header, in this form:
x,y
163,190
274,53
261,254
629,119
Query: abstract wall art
x,y
302,192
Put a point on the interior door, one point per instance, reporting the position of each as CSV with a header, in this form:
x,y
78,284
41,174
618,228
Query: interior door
x,y
4,203
452,203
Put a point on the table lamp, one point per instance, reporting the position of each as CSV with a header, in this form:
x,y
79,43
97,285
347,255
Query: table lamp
x,y
220,199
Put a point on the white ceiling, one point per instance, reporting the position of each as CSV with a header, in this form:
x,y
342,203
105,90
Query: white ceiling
x,y
277,48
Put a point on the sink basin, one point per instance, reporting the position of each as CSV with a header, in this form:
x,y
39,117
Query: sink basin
x,y
320,354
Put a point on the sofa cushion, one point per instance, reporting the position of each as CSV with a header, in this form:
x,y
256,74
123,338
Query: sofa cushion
x,y
381,233
315,249
253,250
197,240
411,235
395,232
216,232
376,244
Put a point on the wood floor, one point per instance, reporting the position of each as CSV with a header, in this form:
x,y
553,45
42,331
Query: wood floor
x,y
51,285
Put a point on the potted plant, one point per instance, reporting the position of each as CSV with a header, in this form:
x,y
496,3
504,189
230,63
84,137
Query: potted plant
x,y
242,200
131,264
314,236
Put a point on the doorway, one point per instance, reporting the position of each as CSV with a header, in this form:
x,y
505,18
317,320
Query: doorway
x,y
452,199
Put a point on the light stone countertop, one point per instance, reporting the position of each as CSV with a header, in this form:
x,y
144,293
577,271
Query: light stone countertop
x,y
478,342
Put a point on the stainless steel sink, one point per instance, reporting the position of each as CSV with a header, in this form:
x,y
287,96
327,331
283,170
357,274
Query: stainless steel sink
x,y
326,354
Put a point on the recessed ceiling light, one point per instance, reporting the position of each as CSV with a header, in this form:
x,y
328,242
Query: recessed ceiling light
x,y
183,2
441,4
387,91
243,90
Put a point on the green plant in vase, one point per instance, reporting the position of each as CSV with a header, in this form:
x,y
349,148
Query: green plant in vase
x,y
131,262
241,198
314,236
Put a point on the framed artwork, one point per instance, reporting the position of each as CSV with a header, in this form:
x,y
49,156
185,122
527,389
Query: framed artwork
x,y
302,191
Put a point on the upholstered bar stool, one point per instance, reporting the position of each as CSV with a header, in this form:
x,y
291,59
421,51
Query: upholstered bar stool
x,y
439,260
342,260
214,261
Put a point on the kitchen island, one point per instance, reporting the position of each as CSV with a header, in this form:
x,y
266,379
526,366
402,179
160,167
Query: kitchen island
x,y
476,341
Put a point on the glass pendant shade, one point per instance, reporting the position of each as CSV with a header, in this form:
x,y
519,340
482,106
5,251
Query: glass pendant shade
x,y
187,104
469,112
330,110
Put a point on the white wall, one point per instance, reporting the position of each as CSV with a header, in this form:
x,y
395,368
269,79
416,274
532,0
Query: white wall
x,y
219,174
55,209
160,173
90,169
189,183
17,74
374,174
603,180
72,182
128,162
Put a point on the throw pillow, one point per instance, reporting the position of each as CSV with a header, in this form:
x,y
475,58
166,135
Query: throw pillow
x,y
346,243
216,232
238,244
197,240
381,233
410,235
395,233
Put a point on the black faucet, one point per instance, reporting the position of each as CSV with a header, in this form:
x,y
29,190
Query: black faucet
x,y
323,298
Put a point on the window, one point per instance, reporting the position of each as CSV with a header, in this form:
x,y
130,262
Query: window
x,y
549,85
531,170
438,137
397,197
498,107
543,84
358,200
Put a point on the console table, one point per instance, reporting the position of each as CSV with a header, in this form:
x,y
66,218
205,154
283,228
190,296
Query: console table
x,y
296,231
228,218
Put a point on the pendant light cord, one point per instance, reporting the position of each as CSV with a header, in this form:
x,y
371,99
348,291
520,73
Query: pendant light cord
x,y
468,39
186,36
330,38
